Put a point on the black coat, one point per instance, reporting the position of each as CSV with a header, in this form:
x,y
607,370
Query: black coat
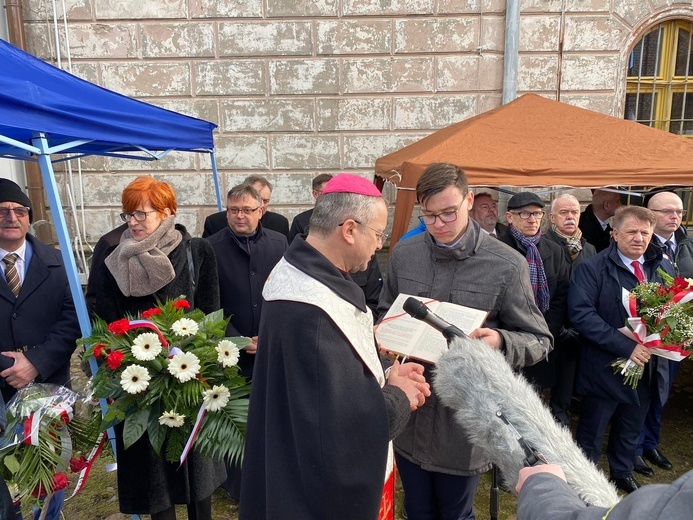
x,y
243,264
557,271
595,308
41,321
319,423
592,230
146,482
299,225
105,244
683,256
270,220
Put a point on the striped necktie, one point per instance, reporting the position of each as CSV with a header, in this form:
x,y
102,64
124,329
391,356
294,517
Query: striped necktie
x,y
11,274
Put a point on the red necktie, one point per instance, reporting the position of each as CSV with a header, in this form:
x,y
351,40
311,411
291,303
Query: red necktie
x,y
638,271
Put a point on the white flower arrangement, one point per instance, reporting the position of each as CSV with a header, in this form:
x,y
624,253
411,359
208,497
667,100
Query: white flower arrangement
x,y
135,379
185,327
172,419
228,353
216,398
146,346
184,367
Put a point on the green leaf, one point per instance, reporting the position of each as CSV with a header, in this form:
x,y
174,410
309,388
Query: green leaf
x,y
11,463
134,427
155,431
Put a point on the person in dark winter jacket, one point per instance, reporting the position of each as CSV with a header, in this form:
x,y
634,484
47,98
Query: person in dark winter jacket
x,y
544,493
564,231
596,311
247,253
152,262
549,274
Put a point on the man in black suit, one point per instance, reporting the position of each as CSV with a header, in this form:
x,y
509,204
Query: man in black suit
x,y
594,221
485,212
299,226
37,315
269,220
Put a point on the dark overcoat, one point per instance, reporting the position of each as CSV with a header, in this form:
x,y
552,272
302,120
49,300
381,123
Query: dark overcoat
x,y
41,321
596,311
244,263
146,482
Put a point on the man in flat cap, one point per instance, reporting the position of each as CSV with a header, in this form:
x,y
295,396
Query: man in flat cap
x,y
322,410
549,274
37,316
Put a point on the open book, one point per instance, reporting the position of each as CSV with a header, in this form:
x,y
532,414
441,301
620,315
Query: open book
x,y
402,334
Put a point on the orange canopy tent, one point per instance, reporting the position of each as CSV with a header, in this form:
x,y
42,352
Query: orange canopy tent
x,y
534,141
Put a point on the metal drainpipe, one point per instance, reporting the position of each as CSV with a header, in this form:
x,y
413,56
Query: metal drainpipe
x,y
512,45
15,23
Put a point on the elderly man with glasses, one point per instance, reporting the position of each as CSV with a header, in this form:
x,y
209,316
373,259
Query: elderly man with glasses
x,y
454,261
246,254
549,273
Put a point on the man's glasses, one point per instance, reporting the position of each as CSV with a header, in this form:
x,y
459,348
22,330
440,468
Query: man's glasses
x,y
139,216
18,212
245,211
445,217
524,215
382,237
671,212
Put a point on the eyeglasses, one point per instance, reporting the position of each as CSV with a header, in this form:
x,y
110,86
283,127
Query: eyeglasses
x,y
524,215
139,216
382,237
445,217
245,211
19,212
671,212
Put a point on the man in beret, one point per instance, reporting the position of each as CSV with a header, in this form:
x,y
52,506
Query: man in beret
x,y
37,315
322,410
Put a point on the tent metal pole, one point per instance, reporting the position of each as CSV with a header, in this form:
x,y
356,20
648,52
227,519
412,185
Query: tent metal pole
x,y
39,141
215,175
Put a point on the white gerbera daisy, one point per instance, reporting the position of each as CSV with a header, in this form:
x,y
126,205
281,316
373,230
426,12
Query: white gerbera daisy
x,y
228,353
185,327
135,379
172,419
216,398
184,366
146,347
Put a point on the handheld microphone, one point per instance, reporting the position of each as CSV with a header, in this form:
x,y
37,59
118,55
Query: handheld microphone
x,y
418,310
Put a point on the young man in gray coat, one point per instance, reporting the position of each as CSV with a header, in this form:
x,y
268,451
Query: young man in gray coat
x,y
455,261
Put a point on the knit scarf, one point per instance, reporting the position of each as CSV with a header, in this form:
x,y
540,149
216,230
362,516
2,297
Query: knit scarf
x,y
573,241
142,268
537,275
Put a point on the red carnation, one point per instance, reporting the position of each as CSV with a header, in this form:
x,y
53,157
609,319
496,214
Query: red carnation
x,y
114,359
119,327
181,304
680,283
99,350
151,312
77,464
60,481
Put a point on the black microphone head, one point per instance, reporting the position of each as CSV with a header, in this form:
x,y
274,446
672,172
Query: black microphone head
x,y
415,308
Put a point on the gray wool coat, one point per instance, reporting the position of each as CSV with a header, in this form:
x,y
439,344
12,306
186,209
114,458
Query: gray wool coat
x,y
482,273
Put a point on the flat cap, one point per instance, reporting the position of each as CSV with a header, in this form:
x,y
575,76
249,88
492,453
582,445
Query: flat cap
x,y
525,198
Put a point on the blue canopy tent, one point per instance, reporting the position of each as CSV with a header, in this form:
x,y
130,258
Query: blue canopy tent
x,y
45,111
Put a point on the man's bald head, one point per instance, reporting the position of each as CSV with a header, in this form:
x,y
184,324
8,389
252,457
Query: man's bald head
x,y
668,210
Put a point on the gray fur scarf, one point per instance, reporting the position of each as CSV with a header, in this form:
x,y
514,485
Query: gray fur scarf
x,y
142,268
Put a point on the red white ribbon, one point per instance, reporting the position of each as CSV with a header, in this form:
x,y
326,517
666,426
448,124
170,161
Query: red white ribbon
x,y
91,459
146,324
637,330
193,435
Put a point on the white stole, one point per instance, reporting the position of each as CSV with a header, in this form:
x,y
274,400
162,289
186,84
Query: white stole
x,y
286,282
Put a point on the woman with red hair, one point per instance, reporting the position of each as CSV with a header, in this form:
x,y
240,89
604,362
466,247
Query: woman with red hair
x,y
156,259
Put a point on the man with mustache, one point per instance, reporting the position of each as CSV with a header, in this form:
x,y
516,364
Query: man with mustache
x,y
564,216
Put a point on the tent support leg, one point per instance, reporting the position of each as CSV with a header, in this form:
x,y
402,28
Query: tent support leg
x,y
215,175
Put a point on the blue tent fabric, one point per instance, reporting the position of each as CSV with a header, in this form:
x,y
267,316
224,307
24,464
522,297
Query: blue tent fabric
x,y
37,97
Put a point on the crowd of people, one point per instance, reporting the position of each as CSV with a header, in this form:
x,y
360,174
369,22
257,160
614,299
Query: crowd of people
x,y
330,418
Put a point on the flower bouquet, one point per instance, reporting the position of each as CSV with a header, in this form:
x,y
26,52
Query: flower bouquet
x,y
173,376
660,316
44,439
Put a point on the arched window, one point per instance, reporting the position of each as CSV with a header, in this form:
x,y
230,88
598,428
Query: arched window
x,y
659,89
